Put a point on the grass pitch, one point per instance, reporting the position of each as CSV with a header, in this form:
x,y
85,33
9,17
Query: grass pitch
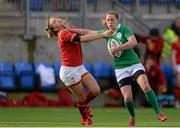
x,y
69,117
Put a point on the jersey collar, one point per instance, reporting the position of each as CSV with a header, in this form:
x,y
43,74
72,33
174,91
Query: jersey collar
x,y
119,25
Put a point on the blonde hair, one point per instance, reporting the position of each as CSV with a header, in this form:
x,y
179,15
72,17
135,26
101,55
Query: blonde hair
x,y
104,24
49,28
110,12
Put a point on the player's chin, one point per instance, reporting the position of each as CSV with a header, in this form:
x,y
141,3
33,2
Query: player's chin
x,y
110,26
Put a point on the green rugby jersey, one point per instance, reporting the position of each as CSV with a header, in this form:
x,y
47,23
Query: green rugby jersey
x,y
126,57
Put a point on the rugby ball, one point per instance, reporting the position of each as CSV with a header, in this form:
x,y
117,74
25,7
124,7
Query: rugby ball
x,y
111,44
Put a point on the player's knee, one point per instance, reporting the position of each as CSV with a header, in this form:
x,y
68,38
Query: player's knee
x,y
82,97
145,85
128,98
146,88
96,92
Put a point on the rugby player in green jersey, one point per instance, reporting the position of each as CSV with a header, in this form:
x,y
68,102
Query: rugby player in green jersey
x,y
128,67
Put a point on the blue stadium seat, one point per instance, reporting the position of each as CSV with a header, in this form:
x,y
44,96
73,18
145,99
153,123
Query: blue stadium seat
x,y
103,75
177,2
127,1
45,86
91,1
57,69
170,97
7,78
166,100
145,1
160,98
88,67
163,1
26,76
36,5
101,70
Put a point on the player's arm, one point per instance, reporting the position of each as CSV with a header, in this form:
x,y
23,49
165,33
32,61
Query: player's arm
x,y
131,39
131,43
82,31
91,37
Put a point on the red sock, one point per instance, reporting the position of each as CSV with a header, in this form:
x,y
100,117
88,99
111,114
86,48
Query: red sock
x,y
81,104
89,97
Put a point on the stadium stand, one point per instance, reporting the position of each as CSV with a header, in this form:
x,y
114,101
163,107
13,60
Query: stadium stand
x,y
145,1
127,1
13,22
164,1
36,5
177,2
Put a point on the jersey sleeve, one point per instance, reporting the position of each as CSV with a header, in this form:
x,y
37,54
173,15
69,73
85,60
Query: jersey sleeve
x,y
127,31
67,36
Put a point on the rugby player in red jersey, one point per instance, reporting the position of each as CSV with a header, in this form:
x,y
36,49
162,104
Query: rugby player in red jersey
x,y
175,56
72,72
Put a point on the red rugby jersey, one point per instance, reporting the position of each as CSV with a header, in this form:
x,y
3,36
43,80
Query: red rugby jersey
x,y
176,47
71,52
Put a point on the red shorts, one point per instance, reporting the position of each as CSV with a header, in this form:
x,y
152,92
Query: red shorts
x,y
177,92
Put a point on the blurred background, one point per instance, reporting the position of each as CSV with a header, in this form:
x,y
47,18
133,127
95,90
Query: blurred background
x,y
29,61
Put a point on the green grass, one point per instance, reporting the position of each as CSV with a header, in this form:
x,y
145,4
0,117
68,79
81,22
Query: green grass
x,y
69,117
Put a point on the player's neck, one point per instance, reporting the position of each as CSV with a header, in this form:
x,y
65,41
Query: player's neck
x,y
114,30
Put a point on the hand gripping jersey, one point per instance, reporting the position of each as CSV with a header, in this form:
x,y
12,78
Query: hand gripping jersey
x,y
126,57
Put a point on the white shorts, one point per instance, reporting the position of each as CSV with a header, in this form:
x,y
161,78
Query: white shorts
x,y
128,71
72,75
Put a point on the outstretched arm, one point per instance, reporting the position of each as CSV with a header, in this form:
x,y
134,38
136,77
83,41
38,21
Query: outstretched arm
x,y
90,37
86,35
83,31
131,43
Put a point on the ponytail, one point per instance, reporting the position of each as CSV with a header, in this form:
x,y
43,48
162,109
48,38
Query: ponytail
x,y
49,29
104,24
